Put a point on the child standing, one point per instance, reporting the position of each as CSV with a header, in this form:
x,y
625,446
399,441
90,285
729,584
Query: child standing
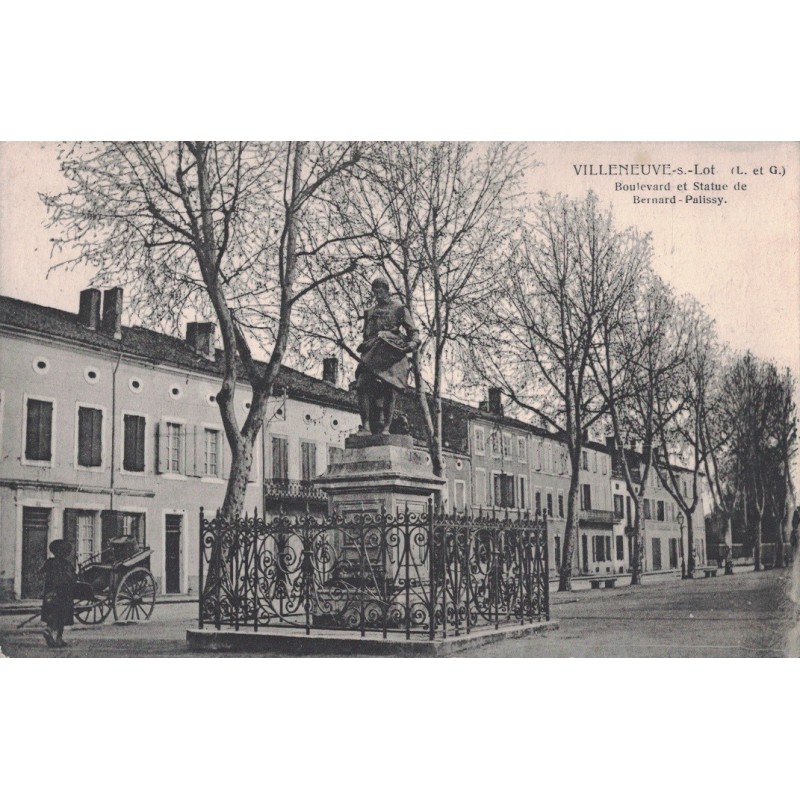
x,y
59,588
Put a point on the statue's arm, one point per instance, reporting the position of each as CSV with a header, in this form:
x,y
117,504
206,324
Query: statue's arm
x,y
412,334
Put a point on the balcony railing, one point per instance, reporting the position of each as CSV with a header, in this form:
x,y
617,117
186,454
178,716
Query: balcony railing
x,y
597,517
284,489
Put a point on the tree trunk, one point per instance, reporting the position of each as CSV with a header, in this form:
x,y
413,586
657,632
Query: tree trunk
x,y
570,536
757,546
233,505
637,545
728,546
690,562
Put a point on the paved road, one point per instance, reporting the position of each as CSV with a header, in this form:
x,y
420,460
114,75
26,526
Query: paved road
x,y
744,615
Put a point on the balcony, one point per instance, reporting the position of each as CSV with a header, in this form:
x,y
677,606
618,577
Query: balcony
x,y
596,517
287,491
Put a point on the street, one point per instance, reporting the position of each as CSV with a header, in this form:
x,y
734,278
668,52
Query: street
x,y
745,615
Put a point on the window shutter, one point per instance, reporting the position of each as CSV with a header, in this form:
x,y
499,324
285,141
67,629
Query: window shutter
x,y
608,548
594,548
162,460
194,440
71,530
111,526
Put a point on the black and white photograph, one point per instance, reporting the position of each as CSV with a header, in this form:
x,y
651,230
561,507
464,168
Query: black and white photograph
x,y
399,399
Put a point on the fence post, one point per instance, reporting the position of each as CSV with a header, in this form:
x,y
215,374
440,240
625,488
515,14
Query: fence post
x,y
255,568
217,560
546,570
200,573
431,574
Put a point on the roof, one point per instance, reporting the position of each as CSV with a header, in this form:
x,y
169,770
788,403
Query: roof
x,y
156,348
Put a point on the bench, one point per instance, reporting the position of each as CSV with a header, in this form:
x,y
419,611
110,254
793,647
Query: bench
x,y
609,580
709,572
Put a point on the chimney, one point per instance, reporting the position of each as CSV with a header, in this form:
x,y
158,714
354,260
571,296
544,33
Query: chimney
x,y
112,312
89,310
200,337
330,370
495,401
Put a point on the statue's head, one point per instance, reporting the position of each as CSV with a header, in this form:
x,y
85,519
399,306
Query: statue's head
x,y
380,288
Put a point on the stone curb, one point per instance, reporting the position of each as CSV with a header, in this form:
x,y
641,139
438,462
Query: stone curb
x,y
335,644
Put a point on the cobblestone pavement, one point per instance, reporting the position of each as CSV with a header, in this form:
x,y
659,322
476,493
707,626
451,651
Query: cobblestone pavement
x,y
745,615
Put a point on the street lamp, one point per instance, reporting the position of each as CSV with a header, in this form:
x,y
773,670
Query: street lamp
x,y
683,563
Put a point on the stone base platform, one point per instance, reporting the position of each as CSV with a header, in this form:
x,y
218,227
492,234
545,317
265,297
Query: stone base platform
x,y
350,643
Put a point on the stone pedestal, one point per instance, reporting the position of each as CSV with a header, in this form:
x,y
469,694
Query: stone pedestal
x,y
380,471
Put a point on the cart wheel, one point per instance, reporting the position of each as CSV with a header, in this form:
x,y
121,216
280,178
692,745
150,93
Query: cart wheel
x,y
135,596
92,612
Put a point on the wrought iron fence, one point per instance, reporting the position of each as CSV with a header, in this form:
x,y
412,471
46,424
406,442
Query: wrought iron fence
x,y
417,574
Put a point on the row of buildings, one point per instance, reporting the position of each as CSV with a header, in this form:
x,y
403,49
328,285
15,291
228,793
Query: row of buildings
x,y
107,429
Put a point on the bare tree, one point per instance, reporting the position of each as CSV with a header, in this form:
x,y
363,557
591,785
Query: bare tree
x,y
720,460
570,276
441,214
640,348
678,418
784,449
229,229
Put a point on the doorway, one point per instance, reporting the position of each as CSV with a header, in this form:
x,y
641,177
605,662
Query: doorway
x,y
35,532
172,553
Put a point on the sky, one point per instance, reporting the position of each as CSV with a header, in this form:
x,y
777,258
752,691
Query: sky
x,y
740,259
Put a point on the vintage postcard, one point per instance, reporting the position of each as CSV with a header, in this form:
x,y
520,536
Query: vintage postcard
x,y
513,399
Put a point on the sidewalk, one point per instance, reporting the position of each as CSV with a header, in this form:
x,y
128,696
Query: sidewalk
x,y
31,606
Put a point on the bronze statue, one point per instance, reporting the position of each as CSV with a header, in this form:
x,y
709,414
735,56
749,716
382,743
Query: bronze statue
x,y
383,370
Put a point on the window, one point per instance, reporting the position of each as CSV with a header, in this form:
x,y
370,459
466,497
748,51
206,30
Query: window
x,y
685,489
656,554
211,450
604,462
594,460
537,500
620,548
480,441
646,506
557,551
39,430
619,511
460,496
90,437
586,497
133,443
174,447
660,510
334,454
537,454
495,439
133,525
548,457
561,505
308,461
504,491
550,504
601,548
85,536
673,553
584,460
507,452
280,458
522,448
522,493
480,487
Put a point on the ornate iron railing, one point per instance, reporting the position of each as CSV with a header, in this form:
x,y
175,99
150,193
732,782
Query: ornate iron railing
x,y
417,574
597,516
280,489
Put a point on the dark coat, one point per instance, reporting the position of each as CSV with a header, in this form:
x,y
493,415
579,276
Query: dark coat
x,y
59,590
384,345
